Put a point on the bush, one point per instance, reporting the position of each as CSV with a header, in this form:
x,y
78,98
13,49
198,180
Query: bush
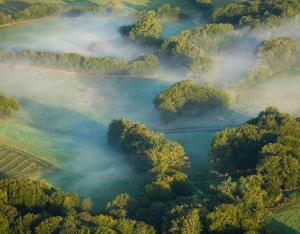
x,y
8,105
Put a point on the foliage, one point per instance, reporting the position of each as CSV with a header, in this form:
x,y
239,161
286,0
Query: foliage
x,y
183,219
187,98
37,208
193,43
120,207
8,105
167,11
246,213
147,26
278,53
267,145
4,19
144,65
38,10
194,47
252,12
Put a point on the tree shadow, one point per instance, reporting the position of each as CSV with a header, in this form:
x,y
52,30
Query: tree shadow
x,y
277,228
60,120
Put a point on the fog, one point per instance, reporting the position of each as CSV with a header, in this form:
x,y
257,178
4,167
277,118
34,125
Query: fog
x,y
65,115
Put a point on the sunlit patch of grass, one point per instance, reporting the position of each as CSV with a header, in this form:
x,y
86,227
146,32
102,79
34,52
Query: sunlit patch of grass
x,y
15,163
186,5
28,139
285,222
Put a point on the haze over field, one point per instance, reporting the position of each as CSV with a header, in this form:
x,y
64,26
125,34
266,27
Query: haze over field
x,y
149,117
68,113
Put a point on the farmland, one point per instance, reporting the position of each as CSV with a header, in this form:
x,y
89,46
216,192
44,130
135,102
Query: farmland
x,y
15,163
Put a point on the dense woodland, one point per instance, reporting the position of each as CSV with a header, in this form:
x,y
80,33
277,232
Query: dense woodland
x,y
256,165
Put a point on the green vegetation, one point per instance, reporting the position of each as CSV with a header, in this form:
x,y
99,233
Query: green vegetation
x,y
186,98
194,47
279,54
29,12
285,221
255,12
7,105
273,57
268,144
39,10
34,207
165,159
166,11
256,167
17,164
146,27
145,65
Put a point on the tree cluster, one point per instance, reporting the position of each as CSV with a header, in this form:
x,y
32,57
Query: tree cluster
x,y
253,12
267,145
35,207
38,10
273,56
144,65
166,11
194,47
165,159
147,26
186,98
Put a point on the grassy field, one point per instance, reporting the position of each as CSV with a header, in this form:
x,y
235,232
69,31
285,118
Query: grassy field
x,y
15,163
286,222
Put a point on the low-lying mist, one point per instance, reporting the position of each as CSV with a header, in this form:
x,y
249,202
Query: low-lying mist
x,y
65,115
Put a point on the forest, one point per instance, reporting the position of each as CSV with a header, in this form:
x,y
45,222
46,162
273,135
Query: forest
x,y
149,117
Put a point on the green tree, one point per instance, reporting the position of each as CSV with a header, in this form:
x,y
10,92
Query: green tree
x,y
8,105
147,26
189,99
278,53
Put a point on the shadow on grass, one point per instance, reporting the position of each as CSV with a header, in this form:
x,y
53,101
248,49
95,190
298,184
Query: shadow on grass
x,y
279,228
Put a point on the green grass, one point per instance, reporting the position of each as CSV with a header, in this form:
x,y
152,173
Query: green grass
x,y
15,163
287,222
186,6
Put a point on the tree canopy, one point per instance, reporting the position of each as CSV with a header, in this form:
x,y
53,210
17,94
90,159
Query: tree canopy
x,y
8,105
189,99
146,27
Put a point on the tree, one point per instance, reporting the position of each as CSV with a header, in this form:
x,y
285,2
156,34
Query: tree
x,y
279,173
278,53
121,206
246,213
241,149
183,219
189,99
147,26
4,19
8,105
